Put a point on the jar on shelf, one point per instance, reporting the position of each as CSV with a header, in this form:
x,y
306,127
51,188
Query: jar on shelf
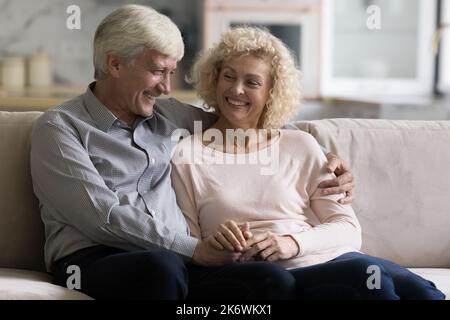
x,y
39,69
13,72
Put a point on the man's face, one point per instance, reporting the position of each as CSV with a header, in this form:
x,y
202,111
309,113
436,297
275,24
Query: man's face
x,y
144,79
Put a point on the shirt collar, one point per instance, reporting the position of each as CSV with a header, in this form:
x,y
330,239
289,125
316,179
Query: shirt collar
x,y
101,114
98,111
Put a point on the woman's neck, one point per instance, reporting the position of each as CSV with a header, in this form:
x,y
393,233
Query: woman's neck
x,y
239,139
223,124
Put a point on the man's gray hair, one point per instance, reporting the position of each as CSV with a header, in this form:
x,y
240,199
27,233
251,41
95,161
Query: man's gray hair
x,y
127,31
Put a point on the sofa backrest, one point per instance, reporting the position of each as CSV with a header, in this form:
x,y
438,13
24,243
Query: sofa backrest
x,y
21,228
401,170
403,184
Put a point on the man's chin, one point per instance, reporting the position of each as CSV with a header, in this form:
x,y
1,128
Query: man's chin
x,y
148,113
147,110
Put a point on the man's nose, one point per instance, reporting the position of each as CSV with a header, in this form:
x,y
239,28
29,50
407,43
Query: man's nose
x,y
164,85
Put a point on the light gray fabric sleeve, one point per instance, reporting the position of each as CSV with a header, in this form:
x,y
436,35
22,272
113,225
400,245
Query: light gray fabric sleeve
x,y
183,115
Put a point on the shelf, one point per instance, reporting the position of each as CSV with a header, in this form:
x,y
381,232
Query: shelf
x,y
39,99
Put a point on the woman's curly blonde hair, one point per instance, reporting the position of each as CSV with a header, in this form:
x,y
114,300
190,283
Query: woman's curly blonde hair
x,y
286,93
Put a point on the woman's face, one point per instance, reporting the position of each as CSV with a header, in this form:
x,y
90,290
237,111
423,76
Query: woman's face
x,y
243,90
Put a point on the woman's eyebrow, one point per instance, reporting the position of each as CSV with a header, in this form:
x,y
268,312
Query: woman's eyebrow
x,y
227,67
247,74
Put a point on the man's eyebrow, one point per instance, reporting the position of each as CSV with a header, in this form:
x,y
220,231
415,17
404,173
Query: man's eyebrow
x,y
155,65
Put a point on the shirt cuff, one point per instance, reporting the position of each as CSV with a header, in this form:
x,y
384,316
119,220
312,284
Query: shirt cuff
x,y
184,245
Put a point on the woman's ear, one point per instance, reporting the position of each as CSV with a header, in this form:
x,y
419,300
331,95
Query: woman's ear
x,y
113,65
262,117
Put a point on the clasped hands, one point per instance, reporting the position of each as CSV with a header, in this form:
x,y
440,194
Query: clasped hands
x,y
248,246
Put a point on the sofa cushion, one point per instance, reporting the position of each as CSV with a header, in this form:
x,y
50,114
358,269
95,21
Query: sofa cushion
x,y
18,284
439,276
403,183
21,228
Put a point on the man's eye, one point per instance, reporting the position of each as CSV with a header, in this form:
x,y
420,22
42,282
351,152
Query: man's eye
x,y
158,72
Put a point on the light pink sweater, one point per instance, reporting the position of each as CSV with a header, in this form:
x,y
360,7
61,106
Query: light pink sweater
x,y
276,192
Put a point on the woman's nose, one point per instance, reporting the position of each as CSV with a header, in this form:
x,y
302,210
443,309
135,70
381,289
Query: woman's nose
x,y
238,88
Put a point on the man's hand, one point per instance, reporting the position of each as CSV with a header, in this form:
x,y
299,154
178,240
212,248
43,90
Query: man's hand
x,y
344,181
230,236
206,255
270,247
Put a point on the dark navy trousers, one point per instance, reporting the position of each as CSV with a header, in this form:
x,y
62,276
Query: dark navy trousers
x,y
110,273
359,276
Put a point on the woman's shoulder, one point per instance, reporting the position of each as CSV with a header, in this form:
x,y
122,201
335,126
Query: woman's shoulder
x,y
300,144
185,141
184,150
298,138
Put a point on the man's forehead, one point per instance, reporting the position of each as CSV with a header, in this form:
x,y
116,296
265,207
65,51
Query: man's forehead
x,y
160,60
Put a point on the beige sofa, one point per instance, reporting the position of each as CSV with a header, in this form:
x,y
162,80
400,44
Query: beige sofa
x,y
402,202
22,271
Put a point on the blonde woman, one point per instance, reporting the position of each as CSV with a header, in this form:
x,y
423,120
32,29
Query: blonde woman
x,y
252,188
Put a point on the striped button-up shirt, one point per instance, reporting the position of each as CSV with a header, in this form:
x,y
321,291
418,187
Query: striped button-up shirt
x,y
99,181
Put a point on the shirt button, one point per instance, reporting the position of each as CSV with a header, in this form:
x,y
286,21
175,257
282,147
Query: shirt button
x,y
152,160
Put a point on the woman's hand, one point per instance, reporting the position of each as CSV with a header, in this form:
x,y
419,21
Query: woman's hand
x,y
206,255
230,236
344,181
270,247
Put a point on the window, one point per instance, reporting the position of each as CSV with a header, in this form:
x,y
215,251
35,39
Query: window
x,y
297,23
391,61
444,54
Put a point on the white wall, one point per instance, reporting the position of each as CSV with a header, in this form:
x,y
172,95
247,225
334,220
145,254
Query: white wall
x,y
26,25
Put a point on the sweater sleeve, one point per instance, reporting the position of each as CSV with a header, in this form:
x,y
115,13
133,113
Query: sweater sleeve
x,y
337,224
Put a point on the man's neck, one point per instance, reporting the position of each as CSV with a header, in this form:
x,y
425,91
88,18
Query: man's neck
x,y
112,102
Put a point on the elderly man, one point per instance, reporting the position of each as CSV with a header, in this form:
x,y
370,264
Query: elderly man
x,y
101,169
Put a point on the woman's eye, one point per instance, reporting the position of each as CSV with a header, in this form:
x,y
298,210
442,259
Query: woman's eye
x,y
228,76
254,83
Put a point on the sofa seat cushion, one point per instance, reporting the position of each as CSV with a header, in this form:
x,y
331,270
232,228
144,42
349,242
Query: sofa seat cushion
x,y
439,276
17,284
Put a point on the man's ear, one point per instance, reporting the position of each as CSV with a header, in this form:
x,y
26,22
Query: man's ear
x,y
113,64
